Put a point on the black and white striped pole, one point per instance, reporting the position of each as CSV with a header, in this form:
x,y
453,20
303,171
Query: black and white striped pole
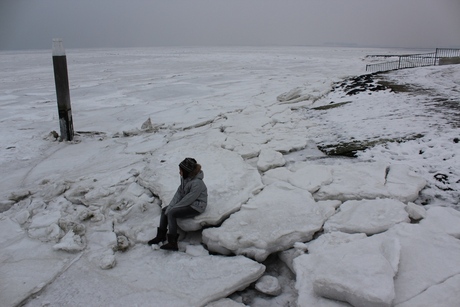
x,y
62,90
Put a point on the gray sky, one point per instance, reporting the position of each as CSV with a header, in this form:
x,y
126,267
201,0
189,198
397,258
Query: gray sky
x,y
32,24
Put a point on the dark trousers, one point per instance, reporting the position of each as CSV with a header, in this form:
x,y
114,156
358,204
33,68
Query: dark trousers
x,y
172,216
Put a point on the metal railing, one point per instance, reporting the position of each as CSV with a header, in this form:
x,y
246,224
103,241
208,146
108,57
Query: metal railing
x,y
414,60
447,53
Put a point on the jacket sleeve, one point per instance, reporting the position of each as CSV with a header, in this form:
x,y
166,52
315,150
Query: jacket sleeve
x,y
176,198
196,189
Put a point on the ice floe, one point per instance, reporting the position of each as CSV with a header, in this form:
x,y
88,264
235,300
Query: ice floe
x,y
272,221
367,216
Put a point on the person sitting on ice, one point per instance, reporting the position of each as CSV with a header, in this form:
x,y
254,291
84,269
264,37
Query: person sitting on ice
x,y
190,200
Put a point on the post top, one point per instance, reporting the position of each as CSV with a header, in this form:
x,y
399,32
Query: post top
x,y
58,47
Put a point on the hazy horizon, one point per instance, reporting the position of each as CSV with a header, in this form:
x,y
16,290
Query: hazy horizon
x,y
412,24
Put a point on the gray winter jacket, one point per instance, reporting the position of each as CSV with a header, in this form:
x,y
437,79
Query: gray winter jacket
x,y
191,192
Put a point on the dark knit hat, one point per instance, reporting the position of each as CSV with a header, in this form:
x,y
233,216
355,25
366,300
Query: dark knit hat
x,y
188,165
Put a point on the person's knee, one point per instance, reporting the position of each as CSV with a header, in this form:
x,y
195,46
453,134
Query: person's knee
x,y
173,213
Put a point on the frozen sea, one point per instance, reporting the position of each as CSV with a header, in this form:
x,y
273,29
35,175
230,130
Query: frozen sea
x,y
286,224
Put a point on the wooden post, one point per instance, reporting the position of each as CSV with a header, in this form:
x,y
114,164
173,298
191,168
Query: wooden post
x,y
62,90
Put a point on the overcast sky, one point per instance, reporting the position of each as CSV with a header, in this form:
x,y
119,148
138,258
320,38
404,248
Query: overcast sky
x,y
32,24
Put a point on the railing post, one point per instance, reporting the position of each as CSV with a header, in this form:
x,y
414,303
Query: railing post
x,y
61,80
435,57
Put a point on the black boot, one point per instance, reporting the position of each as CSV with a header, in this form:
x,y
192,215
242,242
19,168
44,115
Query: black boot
x,y
172,243
161,237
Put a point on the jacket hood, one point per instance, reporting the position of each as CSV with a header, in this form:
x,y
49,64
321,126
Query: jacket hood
x,y
200,176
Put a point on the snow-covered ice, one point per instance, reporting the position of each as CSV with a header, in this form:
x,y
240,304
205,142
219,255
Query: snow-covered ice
x,y
370,181
367,216
427,260
443,219
269,285
416,212
28,265
339,270
286,224
360,272
272,221
144,277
